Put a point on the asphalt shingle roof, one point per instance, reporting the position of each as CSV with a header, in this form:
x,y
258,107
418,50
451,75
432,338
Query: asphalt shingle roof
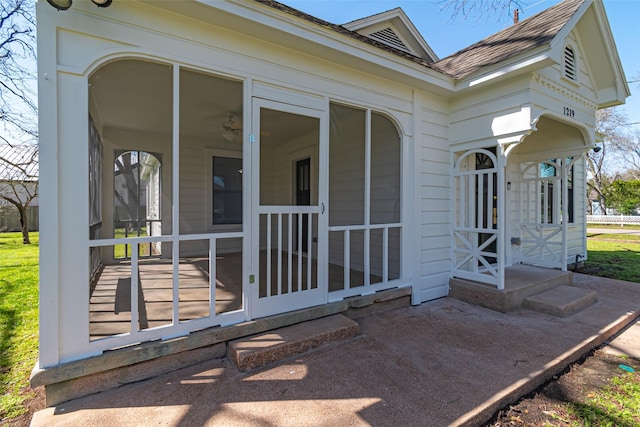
x,y
526,35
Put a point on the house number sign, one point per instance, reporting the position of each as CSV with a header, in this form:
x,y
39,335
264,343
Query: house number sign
x,y
569,112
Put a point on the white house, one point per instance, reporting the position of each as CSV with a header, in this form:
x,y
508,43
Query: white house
x,y
271,162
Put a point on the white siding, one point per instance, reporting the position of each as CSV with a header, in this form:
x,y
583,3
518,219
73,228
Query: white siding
x,y
434,205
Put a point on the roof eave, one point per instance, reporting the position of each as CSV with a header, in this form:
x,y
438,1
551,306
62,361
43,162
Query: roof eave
x,y
290,31
530,61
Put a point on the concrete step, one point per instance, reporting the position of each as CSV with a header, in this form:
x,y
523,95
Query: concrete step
x,y
521,282
562,301
262,349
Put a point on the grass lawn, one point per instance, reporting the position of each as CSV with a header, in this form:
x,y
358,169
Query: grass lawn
x,y
18,320
613,259
617,404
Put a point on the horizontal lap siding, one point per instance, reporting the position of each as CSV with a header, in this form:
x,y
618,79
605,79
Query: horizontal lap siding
x,y
434,220
192,188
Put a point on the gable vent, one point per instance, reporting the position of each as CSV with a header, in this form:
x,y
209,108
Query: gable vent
x,y
570,70
390,38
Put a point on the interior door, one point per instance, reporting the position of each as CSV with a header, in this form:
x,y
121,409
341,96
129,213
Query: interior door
x,y
286,279
303,198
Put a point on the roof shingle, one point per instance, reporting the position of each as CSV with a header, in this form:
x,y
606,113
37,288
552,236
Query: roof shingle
x,y
529,34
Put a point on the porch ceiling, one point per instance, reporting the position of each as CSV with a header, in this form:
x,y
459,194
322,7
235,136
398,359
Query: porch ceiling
x,y
138,96
551,139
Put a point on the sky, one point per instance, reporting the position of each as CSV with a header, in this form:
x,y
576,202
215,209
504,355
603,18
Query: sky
x,y
446,35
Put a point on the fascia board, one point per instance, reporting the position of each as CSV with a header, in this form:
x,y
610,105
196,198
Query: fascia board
x,y
557,44
558,40
605,30
259,20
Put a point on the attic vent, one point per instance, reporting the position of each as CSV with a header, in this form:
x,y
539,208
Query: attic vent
x,y
570,70
390,38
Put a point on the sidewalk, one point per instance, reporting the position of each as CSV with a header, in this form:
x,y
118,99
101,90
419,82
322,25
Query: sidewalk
x,y
441,363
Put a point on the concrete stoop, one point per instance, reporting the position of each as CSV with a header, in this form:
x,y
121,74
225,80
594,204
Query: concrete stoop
x,y
544,290
260,350
562,301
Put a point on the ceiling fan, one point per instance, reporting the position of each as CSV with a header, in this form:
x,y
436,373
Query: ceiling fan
x,y
231,128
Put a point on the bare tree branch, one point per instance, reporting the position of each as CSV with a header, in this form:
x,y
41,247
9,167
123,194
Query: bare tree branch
x,y
481,8
19,180
18,109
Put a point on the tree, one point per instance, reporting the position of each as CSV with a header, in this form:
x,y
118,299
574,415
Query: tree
x,y
481,8
624,196
19,180
603,165
18,108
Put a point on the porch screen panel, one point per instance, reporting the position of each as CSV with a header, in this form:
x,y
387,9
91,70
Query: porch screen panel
x,y
130,135
193,281
386,162
365,159
346,166
211,175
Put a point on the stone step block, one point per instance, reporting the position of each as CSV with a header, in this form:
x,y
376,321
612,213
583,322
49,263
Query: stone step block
x,y
562,301
259,350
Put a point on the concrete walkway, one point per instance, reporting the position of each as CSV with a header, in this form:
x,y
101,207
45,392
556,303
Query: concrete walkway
x,y
441,363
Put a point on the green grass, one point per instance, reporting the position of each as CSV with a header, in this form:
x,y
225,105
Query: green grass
x,y
615,260
617,405
625,237
613,226
119,250
18,320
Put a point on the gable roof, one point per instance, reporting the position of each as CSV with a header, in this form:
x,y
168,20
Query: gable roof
x,y
342,29
395,29
534,32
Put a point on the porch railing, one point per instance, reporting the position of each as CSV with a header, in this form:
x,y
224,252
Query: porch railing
x,y
175,327
386,280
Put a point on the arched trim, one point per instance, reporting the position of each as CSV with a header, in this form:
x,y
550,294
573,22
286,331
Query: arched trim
x,y
588,136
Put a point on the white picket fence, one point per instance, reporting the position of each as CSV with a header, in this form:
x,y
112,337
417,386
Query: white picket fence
x,y
614,219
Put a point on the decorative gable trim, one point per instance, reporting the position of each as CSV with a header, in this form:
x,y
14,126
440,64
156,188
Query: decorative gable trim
x,y
564,91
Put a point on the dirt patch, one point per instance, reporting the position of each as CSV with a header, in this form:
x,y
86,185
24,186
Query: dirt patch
x,y
546,406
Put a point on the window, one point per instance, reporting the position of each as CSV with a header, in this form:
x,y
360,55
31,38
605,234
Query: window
x,y
570,68
570,209
551,203
226,193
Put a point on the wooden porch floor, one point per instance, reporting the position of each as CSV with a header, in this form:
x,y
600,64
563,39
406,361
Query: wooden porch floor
x,y
110,300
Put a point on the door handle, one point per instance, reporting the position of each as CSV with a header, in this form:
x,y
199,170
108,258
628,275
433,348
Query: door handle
x,y
322,210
